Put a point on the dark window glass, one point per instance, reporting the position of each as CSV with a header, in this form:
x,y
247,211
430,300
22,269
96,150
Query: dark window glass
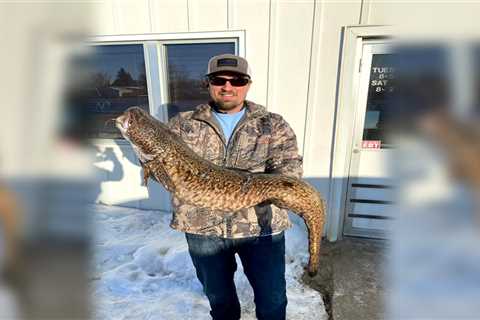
x,y
380,90
186,67
116,80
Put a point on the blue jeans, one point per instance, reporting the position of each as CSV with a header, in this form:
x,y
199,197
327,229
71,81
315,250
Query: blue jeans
x,y
263,260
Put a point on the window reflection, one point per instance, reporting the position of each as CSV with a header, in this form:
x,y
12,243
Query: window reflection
x,y
186,67
116,81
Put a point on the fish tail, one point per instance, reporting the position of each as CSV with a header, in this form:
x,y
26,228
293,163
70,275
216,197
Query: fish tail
x,y
305,201
314,221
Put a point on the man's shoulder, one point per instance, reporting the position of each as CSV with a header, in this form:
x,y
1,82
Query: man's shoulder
x,y
277,119
278,124
188,115
262,111
182,116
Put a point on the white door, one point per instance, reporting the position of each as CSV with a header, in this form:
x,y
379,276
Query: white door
x,y
370,193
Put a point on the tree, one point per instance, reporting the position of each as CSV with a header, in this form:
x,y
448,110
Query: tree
x,y
101,80
123,79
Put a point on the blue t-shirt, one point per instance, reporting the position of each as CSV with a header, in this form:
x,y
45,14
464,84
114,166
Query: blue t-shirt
x,y
228,121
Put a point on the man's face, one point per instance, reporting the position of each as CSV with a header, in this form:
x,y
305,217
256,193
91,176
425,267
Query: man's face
x,y
228,97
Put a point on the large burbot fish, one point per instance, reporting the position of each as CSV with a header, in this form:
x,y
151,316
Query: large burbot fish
x,y
196,181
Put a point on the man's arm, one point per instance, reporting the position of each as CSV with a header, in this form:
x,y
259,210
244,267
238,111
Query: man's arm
x,y
283,154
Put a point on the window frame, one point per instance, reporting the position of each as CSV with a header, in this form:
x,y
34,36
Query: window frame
x,y
154,49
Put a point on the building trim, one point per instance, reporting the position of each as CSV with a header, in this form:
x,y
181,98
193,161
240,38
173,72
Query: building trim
x,y
185,36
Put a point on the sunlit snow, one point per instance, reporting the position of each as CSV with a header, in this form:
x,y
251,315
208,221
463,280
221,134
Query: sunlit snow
x,y
142,270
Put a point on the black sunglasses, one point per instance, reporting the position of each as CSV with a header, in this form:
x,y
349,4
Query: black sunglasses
x,y
236,81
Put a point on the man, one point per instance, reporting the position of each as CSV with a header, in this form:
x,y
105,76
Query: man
x,y
233,132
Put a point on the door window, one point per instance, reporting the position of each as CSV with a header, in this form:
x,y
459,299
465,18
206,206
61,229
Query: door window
x,y
380,91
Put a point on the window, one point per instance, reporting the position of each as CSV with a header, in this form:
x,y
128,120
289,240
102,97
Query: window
x,y
380,91
117,80
161,73
187,64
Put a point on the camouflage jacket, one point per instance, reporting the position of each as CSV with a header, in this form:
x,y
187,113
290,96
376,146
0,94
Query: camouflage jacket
x,y
261,142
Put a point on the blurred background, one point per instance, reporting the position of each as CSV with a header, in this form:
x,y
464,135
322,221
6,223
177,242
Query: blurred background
x,y
45,167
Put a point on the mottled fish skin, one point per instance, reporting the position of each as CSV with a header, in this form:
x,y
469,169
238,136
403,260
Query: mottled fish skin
x,y
196,181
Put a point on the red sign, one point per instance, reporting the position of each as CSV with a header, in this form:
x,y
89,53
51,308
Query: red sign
x,y
371,144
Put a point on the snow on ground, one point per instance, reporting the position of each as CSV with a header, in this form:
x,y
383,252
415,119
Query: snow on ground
x,y
142,270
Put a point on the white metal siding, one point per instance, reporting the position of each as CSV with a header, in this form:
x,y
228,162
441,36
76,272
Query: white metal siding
x,y
330,17
169,15
207,15
254,16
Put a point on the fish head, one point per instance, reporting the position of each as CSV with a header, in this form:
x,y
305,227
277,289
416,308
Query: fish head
x,y
142,130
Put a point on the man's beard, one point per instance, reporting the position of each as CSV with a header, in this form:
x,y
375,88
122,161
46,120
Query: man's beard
x,y
224,105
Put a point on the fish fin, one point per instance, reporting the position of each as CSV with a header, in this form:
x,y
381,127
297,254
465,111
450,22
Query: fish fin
x,y
161,176
157,173
146,173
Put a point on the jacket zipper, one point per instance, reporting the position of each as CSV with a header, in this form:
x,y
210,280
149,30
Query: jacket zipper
x,y
239,125
226,145
227,220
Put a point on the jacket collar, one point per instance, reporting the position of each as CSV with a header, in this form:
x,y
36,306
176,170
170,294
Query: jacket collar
x,y
204,112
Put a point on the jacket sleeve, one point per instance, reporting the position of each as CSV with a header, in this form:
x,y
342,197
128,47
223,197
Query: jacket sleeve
x,y
283,150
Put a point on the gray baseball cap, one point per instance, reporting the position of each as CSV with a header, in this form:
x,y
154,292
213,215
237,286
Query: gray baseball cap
x,y
228,62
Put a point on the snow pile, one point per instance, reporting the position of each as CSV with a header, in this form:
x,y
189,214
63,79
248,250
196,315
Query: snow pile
x,y
142,270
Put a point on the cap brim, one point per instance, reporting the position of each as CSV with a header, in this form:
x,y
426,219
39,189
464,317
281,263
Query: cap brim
x,y
227,71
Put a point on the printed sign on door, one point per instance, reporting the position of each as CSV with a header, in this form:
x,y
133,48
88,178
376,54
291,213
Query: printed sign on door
x,y
371,144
